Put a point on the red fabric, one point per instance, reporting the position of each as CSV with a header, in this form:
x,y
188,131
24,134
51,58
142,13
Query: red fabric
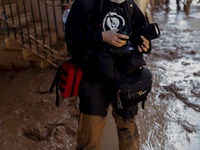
x,y
78,79
68,67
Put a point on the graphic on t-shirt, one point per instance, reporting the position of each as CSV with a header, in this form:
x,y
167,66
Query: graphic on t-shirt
x,y
112,21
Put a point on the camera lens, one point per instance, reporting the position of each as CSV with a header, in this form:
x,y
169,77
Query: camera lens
x,y
157,30
126,30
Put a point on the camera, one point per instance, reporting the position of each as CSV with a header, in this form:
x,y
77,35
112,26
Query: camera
x,y
150,32
126,30
124,50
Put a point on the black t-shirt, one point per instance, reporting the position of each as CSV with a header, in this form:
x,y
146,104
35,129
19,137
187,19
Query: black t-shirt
x,y
80,40
113,16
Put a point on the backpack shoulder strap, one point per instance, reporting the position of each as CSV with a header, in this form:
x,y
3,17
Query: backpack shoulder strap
x,y
91,9
88,4
55,83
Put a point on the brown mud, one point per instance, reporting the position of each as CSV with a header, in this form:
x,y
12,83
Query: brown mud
x,y
29,119
170,119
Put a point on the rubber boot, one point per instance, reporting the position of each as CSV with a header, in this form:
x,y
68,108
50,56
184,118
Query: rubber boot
x,y
127,132
90,130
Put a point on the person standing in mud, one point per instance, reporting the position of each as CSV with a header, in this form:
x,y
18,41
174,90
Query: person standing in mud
x,y
91,32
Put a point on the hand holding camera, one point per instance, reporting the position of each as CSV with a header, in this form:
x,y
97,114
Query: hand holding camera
x,y
142,35
114,38
145,45
119,39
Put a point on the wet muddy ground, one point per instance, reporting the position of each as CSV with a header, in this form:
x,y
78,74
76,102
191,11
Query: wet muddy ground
x,y
29,119
171,119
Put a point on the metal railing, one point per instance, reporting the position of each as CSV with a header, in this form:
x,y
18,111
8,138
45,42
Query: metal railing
x,y
36,25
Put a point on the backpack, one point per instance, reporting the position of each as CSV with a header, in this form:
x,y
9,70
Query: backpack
x,y
67,78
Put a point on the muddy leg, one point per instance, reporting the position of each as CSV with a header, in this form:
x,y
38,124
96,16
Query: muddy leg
x,y
188,6
178,6
167,5
90,130
127,130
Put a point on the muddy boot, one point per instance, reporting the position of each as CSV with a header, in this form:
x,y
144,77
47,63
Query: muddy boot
x,y
90,130
127,132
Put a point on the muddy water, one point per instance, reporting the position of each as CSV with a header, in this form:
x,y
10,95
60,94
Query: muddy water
x,y
171,116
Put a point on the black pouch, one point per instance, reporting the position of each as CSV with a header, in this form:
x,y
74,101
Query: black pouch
x,y
134,88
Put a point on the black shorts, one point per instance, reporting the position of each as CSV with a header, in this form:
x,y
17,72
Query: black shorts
x,y
97,94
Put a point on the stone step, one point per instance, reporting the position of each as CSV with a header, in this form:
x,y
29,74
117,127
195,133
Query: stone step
x,y
18,47
7,9
22,19
16,55
13,59
62,46
52,38
10,41
7,1
41,62
32,29
37,61
26,52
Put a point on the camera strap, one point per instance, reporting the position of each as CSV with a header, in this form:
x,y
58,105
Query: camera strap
x,y
92,11
129,8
